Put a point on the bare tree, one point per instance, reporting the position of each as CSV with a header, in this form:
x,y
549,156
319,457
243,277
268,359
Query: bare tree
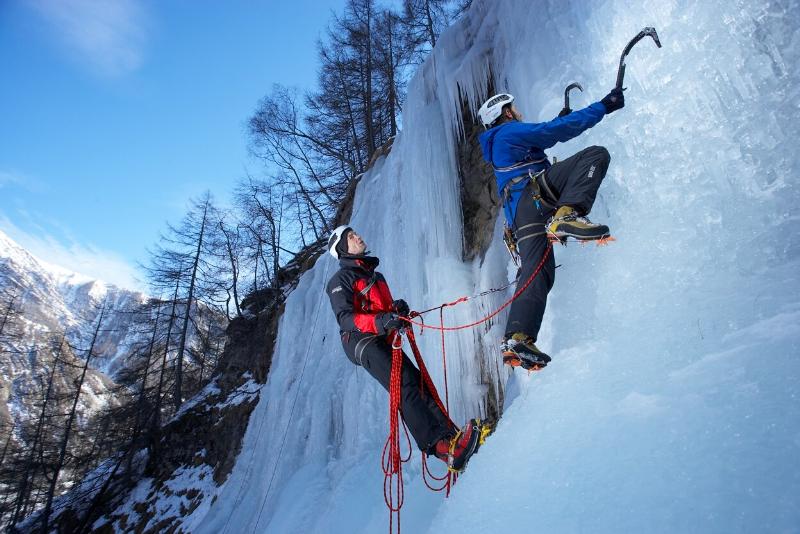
x,y
226,244
190,231
304,162
261,206
394,52
10,313
425,20
156,421
34,445
182,259
71,418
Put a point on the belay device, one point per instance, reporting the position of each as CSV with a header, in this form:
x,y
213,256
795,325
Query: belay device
x,y
511,243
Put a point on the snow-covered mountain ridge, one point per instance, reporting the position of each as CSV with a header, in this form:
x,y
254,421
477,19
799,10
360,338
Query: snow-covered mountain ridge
x,y
55,299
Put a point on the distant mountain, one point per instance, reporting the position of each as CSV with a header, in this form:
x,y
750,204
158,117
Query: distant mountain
x,y
53,300
50,302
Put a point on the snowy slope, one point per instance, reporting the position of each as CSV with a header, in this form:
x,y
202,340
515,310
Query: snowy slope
x,y
671,403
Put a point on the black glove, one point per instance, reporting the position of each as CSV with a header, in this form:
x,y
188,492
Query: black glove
x,y
614,100
401,307
564,112
384,322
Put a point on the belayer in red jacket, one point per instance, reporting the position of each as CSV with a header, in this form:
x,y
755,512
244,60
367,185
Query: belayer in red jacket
x,y
368,317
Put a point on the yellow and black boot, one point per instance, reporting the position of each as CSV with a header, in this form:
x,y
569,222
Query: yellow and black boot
x,y
568,223
520,351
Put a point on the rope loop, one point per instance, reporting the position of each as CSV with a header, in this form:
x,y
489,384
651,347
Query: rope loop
x,y
410,319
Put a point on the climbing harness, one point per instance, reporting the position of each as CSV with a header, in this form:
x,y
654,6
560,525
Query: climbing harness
x,y
511,244
541,194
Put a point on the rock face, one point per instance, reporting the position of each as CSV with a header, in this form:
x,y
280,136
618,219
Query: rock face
x,y
479,198
480,207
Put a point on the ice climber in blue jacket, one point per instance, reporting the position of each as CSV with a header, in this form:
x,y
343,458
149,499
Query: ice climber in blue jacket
x,y
541,199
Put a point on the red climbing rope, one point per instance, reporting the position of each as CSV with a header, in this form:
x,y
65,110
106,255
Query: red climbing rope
x,y
464,299
444,361
430,388
392,459
449,478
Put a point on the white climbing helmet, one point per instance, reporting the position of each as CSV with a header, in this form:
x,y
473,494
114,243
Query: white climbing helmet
x,y
335,238
493,108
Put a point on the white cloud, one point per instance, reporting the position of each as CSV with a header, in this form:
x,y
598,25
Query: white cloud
x,y
85,259
109,35
10,179
7,178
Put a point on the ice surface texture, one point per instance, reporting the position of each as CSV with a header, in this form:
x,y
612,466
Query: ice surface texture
x,y
671,404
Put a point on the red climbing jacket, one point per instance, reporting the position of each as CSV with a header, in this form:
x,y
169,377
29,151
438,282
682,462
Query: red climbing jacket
x,y
358,295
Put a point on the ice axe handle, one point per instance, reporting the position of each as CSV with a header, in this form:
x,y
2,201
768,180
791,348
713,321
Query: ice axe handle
x,y
641,35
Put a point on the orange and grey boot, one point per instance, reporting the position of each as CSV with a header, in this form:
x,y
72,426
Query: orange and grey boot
x,y
520,351
568,223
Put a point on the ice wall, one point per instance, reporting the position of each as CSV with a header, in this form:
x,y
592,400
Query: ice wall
x,y
671,404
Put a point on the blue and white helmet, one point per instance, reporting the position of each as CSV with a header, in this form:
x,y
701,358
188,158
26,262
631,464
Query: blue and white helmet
x,y
335,239
493,108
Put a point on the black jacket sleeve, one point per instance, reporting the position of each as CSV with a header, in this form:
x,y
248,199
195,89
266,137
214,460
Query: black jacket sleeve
x,y
341,295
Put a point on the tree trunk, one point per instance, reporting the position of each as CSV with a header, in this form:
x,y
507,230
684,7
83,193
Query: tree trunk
x,y
23,493
234,269
182,345
159,390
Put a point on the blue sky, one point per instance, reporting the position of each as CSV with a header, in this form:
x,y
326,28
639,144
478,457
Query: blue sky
x,y
114,113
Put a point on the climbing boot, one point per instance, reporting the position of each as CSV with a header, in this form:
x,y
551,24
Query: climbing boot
x,y
567,223
520,351
457,450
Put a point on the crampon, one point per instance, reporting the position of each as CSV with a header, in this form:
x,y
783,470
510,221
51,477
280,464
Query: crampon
x,y
601,242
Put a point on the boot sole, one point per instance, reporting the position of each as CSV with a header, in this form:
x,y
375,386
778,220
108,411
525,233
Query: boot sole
x,y
515,361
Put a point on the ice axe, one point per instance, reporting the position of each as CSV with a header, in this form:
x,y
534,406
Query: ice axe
x,y
569,88
567,110
642,34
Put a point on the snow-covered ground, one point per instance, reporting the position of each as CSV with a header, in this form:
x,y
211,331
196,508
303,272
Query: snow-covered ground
x,y
671,404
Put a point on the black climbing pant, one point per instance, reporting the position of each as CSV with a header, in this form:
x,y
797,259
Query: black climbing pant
x,y
422,415
573,182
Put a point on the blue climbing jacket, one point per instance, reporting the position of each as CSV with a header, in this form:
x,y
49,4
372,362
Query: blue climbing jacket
x,y
517,148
